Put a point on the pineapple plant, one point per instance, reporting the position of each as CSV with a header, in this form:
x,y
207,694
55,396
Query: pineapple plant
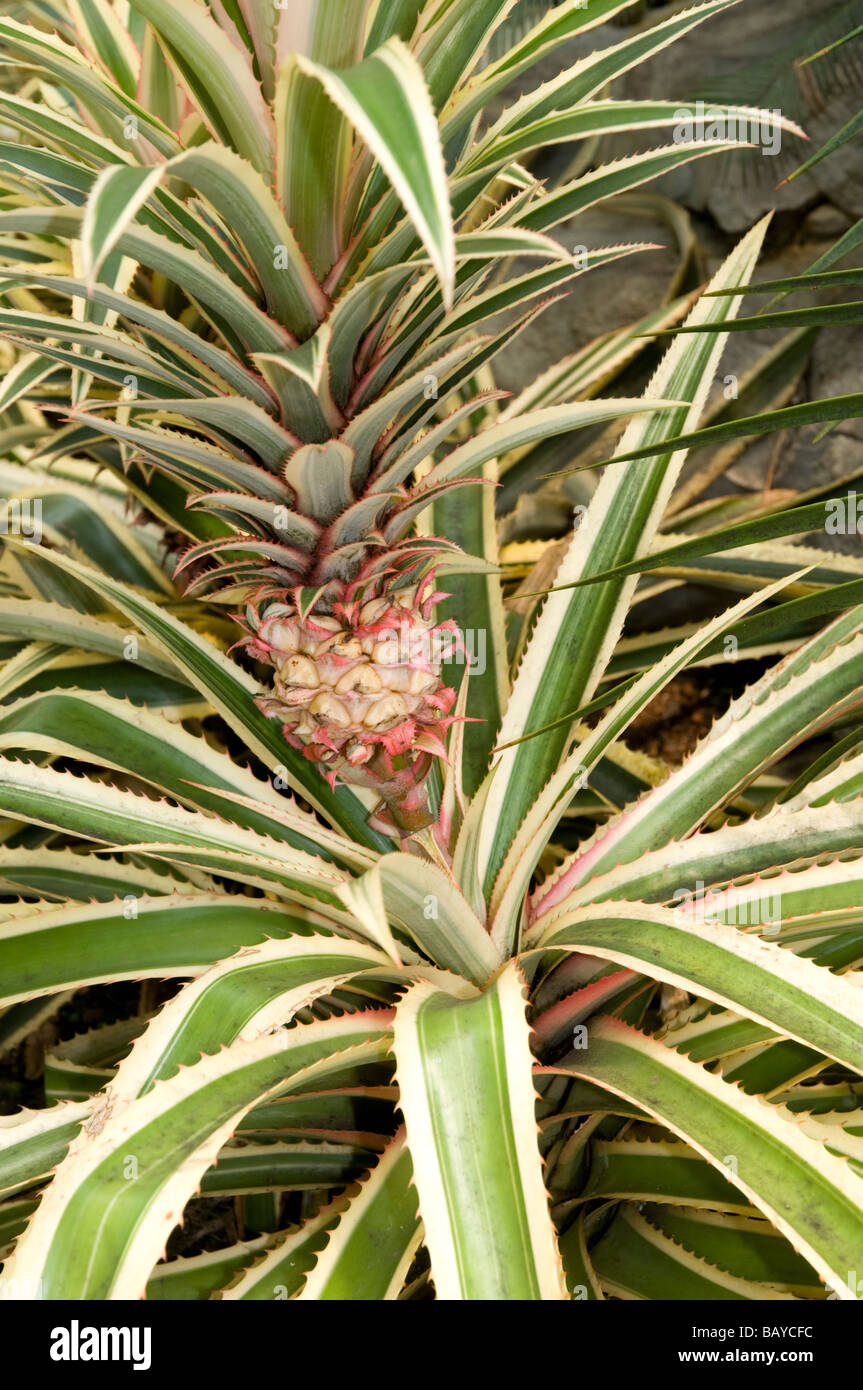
x,y
432,987
356,310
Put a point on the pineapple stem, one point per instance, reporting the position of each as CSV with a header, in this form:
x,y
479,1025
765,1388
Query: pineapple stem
x,y
401,783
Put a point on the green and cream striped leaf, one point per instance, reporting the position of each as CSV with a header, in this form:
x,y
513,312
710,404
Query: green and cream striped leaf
x,y
714,1035
231,692
561,22
475,602
212,364
88,522
313,137
116,197
370,1250
33,1142
94,728
799,908
59,668
581,1278
841,749
488,243
832,409
58,130
281,1272
812,1197
730,852
94,811
514,878
358,1112
175,1132
746,1246
386,99
589,75
609,180
714,549
464,1071
65,1080
195,1278
137,937
262,987
429,905
242,199
110,105
217,75
14,1215
711,958
364,898
284,1168
622,517
174,453
475,309
634,1259
799,695
31,662
604,118
841,1132
469,458
770,1067
68,874
207,284
657,1170
193,462
100,29
452,39
780,628
242,1170
844,782
29,371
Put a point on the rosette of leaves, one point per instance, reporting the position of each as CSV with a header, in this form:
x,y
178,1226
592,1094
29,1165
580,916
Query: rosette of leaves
x,y
558,1042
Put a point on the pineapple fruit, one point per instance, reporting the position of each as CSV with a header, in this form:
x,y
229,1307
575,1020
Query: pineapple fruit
x,y
359,690
345,620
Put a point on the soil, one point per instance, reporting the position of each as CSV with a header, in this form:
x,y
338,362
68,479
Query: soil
x,y
680,715
22,1067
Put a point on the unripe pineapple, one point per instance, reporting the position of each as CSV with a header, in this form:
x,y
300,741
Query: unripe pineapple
x,y
359,691
343,619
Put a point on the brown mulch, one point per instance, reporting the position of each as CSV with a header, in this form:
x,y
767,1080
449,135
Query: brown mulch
x,y
680,715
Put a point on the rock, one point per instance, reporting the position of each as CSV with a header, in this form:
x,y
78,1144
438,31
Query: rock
x,y
749,49
839,177
744,55
808,461
808,458
603,299
825,223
